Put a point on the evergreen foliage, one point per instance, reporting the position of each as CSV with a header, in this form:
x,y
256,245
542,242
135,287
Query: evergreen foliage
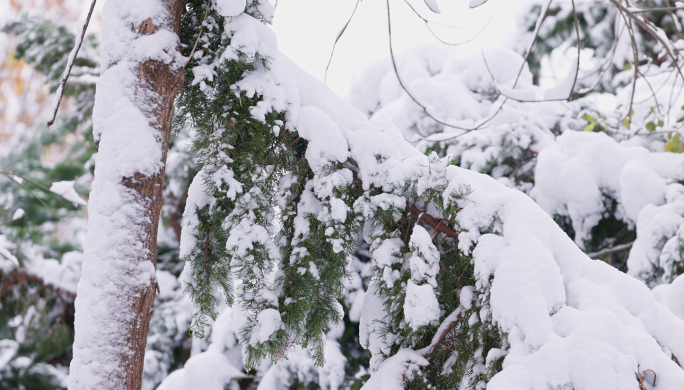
x,y
249,164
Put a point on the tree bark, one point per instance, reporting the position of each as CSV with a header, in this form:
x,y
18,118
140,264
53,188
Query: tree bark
x,y
142,72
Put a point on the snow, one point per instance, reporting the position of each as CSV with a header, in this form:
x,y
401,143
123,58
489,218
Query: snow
x,y
424,262
325,140
544,295
7,260
268,321
432,4
421,307
18,214
476,3
563,90
210,370
466,297
657,226
395,370
65,189
63,275
670,295
8,348
197,199
568,319
230,8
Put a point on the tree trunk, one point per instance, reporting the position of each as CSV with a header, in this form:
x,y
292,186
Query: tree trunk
x,y
142,72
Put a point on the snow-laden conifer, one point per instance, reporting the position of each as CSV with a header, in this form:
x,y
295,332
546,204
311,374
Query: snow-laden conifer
x,y
503,292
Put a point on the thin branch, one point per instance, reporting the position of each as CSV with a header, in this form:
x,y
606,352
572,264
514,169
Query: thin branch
x,y
11,177
644,23
537,28
339,35
574,82
403,86
655,98
656,10
608,251
35,183
70,63
608,63
432,21
579,48
206,12
428,22
635,51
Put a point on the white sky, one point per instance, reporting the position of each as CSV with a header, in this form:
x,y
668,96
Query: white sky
x,y
306,31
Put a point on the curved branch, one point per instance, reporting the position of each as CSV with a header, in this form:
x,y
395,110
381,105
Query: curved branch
x,y
415,100
339,35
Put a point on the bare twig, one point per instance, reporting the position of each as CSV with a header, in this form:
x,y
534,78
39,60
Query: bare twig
x,y
35,183
11,177
608,63
339,35
206,12
70,63
644,23
537,27
428,22
415,100
579,48
655,98
608,251
543,14
666,9
642,375
574,82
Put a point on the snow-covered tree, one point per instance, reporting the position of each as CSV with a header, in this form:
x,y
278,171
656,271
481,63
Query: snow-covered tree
x,y
307,221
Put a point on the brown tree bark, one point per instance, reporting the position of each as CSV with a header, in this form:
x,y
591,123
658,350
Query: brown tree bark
x,y
165,83
156,85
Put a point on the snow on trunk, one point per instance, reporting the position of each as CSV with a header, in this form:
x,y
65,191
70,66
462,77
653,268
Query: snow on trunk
x,y
142,73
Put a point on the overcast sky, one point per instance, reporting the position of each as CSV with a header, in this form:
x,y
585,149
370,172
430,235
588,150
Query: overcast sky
x,y
307,29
